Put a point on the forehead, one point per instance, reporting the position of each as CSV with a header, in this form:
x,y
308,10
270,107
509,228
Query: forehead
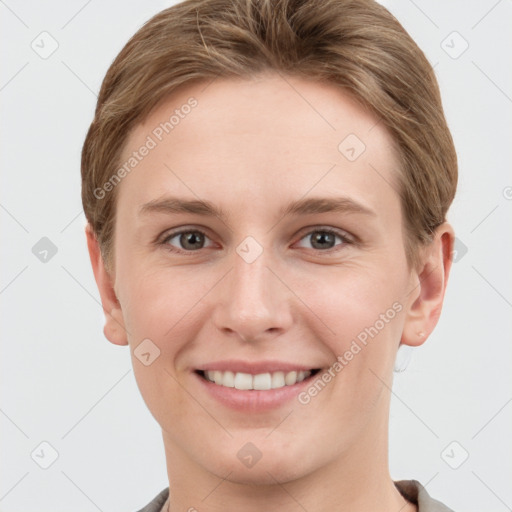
x,y
269,137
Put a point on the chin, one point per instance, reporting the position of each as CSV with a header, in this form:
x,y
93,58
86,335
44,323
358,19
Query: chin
x,y
272,467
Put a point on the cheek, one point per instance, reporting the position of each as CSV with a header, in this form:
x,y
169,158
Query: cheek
x,y
157,301
159,306
349,299
364,310
338,302
362,307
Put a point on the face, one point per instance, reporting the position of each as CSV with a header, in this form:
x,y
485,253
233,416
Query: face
x,y
262,236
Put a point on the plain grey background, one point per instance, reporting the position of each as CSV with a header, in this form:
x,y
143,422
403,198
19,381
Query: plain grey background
x,y
63,384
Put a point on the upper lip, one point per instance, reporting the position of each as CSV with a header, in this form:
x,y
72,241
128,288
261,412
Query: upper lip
x,y
255,367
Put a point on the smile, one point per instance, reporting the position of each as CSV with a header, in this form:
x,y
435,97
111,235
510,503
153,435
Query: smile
x,y
258,382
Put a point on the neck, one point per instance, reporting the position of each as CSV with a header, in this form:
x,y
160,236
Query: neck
x,y
356,480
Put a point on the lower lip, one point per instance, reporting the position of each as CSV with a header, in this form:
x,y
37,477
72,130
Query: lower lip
x,y
253,400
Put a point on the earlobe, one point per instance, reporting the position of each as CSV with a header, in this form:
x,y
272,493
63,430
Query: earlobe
x,y
114,328
426,298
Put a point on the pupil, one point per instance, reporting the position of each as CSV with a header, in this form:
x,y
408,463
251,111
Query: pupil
x,y
323,237
189,239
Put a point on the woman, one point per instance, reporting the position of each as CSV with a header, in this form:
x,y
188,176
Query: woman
x,y
266,186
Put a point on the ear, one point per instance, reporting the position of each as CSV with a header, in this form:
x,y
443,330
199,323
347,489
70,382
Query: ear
x,y
428,287
114,328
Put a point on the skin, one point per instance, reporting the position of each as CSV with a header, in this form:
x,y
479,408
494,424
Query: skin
x,y
251,147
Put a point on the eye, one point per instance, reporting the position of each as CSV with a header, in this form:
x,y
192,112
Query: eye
x,y
324,239
186,241
321,239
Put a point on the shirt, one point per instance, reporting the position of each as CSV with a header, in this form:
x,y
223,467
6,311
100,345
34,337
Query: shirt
x,y
411,490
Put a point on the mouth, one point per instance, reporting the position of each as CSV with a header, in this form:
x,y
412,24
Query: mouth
x,y
256,382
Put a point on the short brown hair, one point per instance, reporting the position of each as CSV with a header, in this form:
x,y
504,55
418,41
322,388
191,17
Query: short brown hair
x,y
355,44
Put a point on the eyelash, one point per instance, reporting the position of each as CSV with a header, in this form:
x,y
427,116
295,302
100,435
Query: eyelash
x,y
345,238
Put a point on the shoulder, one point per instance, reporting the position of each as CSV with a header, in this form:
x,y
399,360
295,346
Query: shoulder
x,y
156,504
413,491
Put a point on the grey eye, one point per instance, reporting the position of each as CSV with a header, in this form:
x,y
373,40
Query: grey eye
x,y
321,239
187,240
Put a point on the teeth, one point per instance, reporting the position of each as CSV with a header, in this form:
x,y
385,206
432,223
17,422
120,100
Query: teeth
x,y
243,381
260,382
290,378
227,379
278,380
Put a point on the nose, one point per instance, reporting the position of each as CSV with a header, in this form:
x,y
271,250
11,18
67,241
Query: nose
x,y
253,303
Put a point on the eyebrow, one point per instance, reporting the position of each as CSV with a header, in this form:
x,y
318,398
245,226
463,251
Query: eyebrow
x,y
307,206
